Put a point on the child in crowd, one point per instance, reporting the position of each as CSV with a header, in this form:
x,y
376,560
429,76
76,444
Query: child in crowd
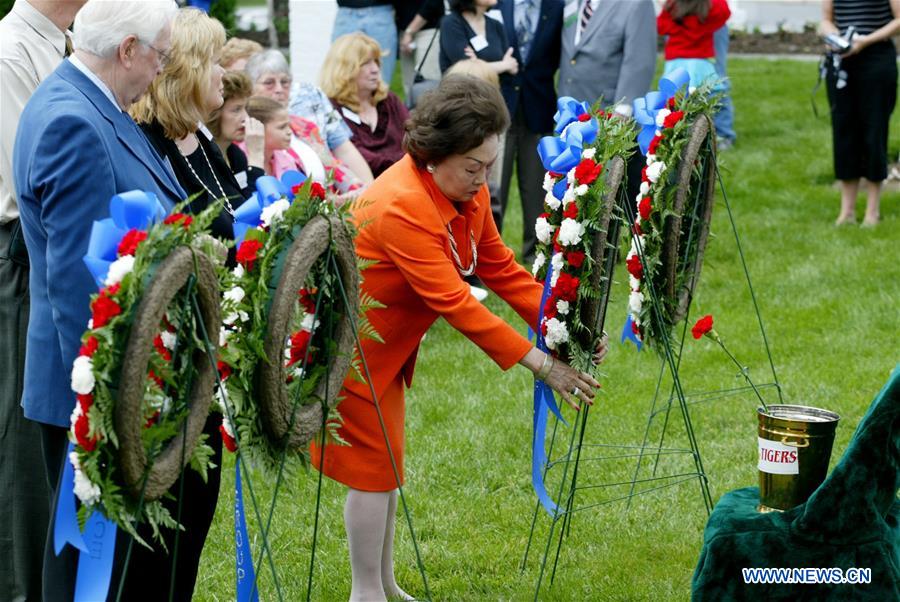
x,y
689,26
280,156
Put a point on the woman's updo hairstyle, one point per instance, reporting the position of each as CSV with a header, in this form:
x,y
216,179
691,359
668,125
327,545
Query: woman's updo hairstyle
x,y
454,118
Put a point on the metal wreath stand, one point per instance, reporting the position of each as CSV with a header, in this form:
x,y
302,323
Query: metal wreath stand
x,y
685,236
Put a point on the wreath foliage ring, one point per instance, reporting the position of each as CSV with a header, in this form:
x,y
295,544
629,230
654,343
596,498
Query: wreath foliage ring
x,y
688,223
605,241
170,277
276,404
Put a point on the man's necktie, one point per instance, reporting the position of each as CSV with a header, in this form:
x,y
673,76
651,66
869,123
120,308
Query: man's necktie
x,y
526,15
69,50
586,13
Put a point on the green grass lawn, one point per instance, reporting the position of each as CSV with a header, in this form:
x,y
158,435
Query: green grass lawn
x,y
829,298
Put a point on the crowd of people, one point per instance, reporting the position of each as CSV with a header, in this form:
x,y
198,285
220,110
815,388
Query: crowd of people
x,y
148,96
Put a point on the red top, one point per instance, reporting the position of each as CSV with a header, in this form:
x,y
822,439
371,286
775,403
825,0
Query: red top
x,y
692,38
382,147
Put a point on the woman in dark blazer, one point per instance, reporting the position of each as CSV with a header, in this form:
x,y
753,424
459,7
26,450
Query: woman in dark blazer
x,y
467,33
177,102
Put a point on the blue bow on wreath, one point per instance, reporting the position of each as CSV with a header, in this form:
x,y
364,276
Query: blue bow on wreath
x,y
268,190
646,107
562,152
133,209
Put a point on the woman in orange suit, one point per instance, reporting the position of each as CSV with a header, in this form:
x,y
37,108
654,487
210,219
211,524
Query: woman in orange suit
x,y
428,224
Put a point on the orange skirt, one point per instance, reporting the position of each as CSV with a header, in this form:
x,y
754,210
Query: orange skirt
x,y
366,463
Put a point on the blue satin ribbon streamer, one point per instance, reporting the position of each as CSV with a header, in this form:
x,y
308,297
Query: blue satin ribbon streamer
x,y
95,564
243,557
65,523
543,401
133,209
628,334
97,545
647,106
562,152
268,190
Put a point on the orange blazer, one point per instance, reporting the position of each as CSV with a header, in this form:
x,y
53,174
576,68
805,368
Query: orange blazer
x,y
403,219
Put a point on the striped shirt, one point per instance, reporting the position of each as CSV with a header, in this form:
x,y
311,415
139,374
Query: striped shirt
x,y
865,15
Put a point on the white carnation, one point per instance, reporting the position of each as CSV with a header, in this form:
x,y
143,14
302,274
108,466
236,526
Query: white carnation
x,y
75,415
272,214
539,260
568,197
570,232
235,294
633,283
238,271
552,202
309,323
570,176
581,190
661,117
543,230
83,375
651,158
556,262
234,316
168,339
557,333
645,188
562,307
549,181
224,333
226,424
635,302
655,171
118,269
588,153
85,490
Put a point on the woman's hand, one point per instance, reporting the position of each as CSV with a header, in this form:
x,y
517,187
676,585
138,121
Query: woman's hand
x,y
602,349
255,138
509,62
572,385
470,52
406,43
857,44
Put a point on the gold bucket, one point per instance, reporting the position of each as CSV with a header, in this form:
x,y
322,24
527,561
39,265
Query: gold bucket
x,y
794,450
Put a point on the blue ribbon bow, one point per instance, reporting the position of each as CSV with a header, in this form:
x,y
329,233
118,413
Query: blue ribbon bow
x,y
543,401
133,209
562,152
268,190
646,107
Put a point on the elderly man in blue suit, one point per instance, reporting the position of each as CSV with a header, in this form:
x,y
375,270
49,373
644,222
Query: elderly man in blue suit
x,y
533,29
76,147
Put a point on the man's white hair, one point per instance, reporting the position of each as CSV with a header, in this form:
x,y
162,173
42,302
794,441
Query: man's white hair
x,y
101,25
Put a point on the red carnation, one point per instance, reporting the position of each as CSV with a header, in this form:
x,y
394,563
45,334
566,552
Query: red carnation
x,y
555,175
82,429
161,348
644,208
130,242
637,229
89,347
85,401
152,420
587,171
671,104
601,113
175,218
654,144
227,440
544,328
702,326
299,343
550,307
316,191
224,369
307,301
571,211
575,258
644,177
672,118
635,268
635,329
103,308
545,215
296,188
566,287
248,253
156,378
584,117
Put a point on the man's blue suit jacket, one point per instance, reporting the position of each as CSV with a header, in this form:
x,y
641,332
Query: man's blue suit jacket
x,y
533,86
74,150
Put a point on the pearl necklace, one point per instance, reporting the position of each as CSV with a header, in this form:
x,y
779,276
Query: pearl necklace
x,y
454,250
222,196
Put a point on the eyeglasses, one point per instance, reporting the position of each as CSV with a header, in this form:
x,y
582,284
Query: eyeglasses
x,y
272,82
164,57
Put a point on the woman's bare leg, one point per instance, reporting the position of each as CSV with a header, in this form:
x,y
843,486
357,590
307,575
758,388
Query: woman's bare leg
x,y
849,189
873,202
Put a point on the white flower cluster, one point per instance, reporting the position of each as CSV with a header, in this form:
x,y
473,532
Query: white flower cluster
x,y
570,232
272,214
83,375
543,230
556,262
85,490
557,333
539,260
119,269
